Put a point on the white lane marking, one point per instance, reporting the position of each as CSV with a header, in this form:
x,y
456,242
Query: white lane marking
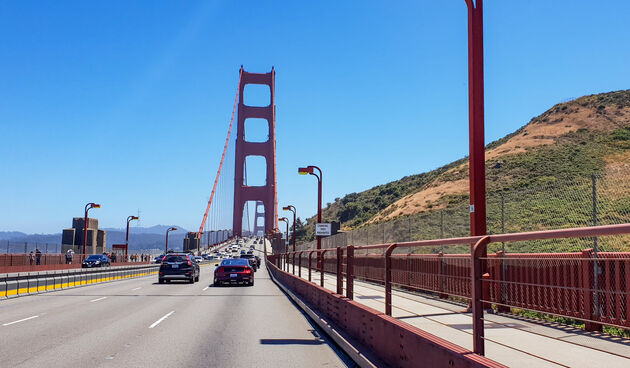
x,y
138,288
97,299
20,320
161,319
206,288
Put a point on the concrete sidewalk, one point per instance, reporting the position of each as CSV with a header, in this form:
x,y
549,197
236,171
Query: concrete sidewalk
x,y
513,341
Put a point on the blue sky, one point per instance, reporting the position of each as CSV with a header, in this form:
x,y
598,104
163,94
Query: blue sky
x,y
139,94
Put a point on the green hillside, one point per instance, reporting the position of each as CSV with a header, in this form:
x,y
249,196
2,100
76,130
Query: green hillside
x,y
543,171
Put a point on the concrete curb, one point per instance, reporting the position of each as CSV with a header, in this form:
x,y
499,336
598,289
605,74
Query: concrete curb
x,y
357,357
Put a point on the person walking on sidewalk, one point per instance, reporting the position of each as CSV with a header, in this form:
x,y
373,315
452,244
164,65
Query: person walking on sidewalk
x,y
31,258
38,256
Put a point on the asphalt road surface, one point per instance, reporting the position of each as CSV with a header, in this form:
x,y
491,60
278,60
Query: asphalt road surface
x,y
140,323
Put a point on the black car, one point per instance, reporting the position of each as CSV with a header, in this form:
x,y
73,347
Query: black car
x,y
159,258
252,261
178,266
96,260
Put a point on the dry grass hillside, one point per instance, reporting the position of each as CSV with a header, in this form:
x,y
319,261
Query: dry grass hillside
x,y
571,140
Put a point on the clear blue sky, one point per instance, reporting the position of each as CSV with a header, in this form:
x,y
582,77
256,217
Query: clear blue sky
x,y
139,93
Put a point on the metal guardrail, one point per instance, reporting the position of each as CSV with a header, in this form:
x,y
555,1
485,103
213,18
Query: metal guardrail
x,y
26,283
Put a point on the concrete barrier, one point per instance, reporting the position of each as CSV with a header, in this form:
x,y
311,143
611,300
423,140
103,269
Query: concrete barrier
x,y
12,285
3,287
18,284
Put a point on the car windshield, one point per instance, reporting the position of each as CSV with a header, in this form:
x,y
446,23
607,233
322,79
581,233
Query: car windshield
x,y
93,258
173,259
234,262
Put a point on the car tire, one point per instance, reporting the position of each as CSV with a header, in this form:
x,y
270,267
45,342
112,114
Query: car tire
x,y
192,280
251,283
197,278
160,281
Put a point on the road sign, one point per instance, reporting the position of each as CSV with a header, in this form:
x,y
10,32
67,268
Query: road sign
x,y
323,229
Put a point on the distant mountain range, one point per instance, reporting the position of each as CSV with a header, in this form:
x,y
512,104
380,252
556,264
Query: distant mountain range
x,y
140,238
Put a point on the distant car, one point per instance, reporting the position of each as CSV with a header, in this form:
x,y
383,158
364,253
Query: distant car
x,y
96,260
158,259
250,252
234,271
253,262
178,266
243,251
199,259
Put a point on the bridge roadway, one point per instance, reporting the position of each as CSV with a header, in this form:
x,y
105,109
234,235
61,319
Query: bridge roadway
x,y
540,345
140,323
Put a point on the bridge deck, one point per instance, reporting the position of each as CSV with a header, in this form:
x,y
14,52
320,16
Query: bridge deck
x,y
540,345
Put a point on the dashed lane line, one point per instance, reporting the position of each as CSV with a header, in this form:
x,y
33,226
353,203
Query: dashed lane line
x,y
20,320
161,319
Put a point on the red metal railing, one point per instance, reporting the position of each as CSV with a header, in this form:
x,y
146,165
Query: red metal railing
x,y
562,284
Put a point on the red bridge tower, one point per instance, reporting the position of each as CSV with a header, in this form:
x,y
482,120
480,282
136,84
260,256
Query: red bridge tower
x,y
242,192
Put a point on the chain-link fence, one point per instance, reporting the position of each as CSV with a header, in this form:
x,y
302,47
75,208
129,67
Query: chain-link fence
x,y
10,246
596,200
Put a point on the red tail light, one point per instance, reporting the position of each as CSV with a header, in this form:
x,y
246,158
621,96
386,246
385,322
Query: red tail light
x,y
189,263
247,270
221,269
163,258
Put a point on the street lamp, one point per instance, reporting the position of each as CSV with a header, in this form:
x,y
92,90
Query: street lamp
x,y
129,218
292,209
167,231
88,207
309,170
286,221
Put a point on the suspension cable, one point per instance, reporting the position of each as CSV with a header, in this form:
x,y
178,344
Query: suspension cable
x,y
227,140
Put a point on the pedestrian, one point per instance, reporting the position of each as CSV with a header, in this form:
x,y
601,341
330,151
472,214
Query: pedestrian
x,y
38,256
69,256
31,258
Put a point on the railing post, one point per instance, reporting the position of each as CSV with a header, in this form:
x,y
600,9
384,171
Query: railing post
x,y
339,271
309,265
293,266
350,272
300,265
477,294
321,269
388,279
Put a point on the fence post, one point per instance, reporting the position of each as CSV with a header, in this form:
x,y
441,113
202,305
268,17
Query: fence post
x,y
388,279
321,269
339,271
309,265
477,295
595,251
350,272
588,294
293,258
442,275
300,265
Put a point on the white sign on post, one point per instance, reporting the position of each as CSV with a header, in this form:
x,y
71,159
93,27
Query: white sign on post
x,y
323,229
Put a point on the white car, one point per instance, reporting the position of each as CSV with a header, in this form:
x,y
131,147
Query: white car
x,y
199,259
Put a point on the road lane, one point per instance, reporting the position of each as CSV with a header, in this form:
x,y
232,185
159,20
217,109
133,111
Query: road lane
x,y
108,325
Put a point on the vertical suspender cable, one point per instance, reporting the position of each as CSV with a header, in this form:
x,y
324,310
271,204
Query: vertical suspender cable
x,y
227,141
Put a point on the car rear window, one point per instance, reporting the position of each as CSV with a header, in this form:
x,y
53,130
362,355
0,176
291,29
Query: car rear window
x,y
173,259
234,262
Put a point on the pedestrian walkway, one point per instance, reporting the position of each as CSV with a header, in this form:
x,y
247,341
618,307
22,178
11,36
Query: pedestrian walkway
x,y
510,340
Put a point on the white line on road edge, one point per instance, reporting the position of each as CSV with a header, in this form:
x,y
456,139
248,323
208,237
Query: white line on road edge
x,y
138,288
97,299
206,288
21,320
161,319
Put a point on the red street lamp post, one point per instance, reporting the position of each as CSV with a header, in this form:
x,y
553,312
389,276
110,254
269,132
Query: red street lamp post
x,y
167,231
129,218
286,244
309,171
88,207
292,209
